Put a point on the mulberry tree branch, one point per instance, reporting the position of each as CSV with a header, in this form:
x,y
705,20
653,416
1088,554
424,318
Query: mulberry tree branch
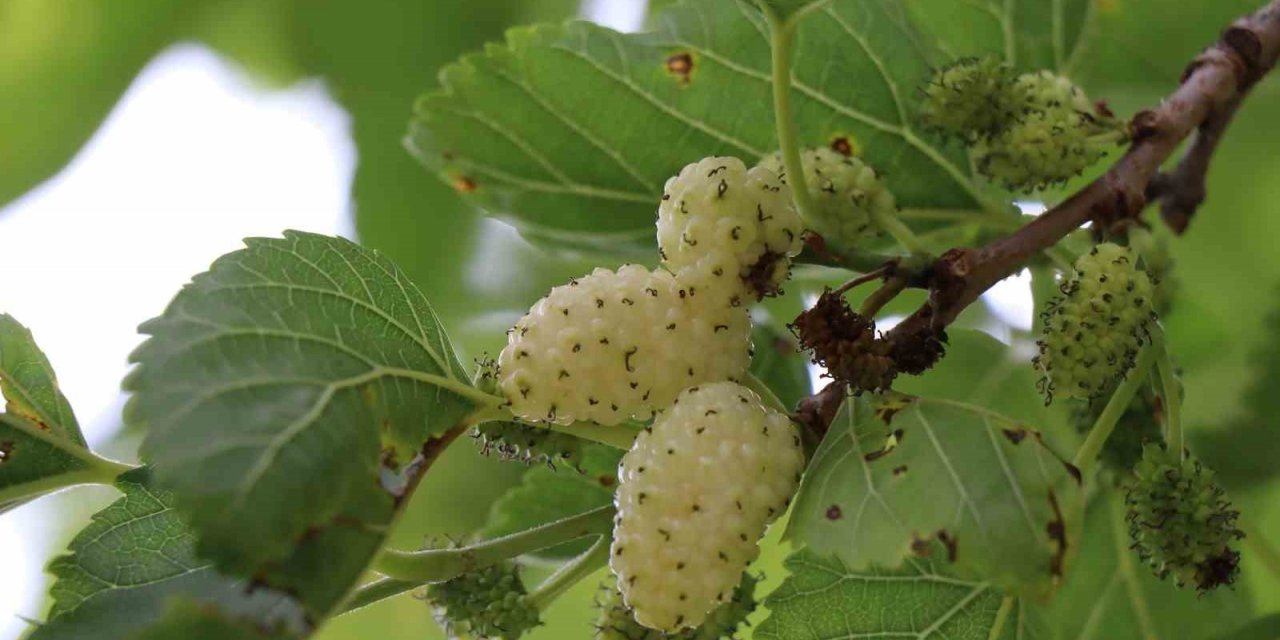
x,y
1212,88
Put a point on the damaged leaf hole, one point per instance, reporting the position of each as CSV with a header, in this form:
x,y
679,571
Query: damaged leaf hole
x,y
6,451
834,512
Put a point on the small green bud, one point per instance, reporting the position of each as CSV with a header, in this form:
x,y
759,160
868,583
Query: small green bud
x,y
485,603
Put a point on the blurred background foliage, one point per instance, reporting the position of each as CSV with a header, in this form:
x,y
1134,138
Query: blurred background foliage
x,y
67,62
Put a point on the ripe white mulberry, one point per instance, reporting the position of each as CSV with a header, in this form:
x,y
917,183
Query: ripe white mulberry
x,y
696,491
612,346
734,229
1092,333
846,191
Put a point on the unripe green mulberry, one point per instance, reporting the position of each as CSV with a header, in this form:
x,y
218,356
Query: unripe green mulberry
x,y
616,622
485,603
846,192
969,98
1040,149
696,491
1092,333
612,346
1046,90
529,444
732,228
1181,522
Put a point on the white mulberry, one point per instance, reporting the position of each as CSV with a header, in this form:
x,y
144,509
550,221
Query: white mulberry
x,y
846,191
696,492
732,228
1092,333
616,345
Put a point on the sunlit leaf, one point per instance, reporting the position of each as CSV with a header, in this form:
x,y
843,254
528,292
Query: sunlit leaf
x,y
571,131
282,393
41,447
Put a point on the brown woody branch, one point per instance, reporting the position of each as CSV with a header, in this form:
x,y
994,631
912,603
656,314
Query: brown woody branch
x,y
1210,92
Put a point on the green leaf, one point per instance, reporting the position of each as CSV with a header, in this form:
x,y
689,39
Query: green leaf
x,y
190,621
896,471
1242,451
1029,34
1111,594
788,9
779,363
1266,628
277,389
546,495
823,599
134,558
570,132
41,447
29,385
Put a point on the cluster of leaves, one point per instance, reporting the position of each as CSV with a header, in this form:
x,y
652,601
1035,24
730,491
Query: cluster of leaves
x,y
331,386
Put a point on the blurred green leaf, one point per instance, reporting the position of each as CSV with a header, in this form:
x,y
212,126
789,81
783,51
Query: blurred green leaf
x,y
190,621
1029,34
779,363
1267,628
1110,594
785,9
546,495
1146,44
531,130
67,62
897,472
134,558
319,367
920,600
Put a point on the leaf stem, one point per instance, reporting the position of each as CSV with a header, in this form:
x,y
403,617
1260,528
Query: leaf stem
x,y
882,296
890,224
377,591
1120,399
570,573
434,565
1170,392
782,42
1002,617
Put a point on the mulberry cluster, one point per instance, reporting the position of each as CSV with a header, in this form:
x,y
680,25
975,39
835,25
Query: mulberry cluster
x,y
848,194
1092,332
617,345
485,603
1181,522
1027,132
616,622
697,490
732,228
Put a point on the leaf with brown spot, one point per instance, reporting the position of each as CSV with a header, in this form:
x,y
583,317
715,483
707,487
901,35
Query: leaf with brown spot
x,y
969,483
